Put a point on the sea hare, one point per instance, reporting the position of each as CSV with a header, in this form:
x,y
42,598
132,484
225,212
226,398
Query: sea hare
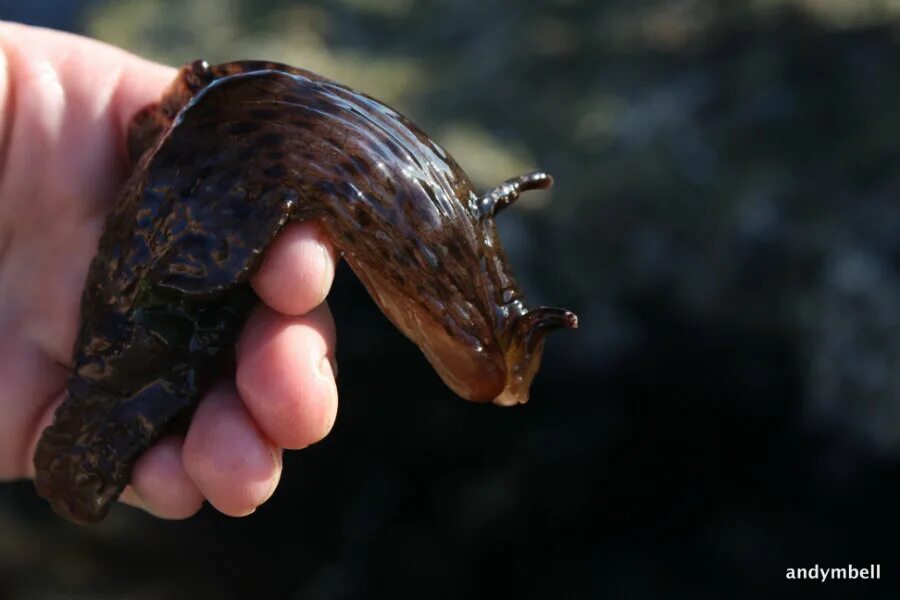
x,y
228,156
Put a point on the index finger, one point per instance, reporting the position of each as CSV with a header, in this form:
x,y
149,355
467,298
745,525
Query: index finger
x,y
297,271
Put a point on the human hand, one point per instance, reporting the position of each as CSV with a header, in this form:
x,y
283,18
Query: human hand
x,y
65,102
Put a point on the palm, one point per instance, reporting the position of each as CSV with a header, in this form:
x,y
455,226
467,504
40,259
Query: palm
x,y
62,158
59,174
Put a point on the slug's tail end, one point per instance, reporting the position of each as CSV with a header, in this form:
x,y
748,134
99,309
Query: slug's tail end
x,y
524,355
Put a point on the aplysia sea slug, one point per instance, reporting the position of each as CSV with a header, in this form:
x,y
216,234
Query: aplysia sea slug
x,y
228,156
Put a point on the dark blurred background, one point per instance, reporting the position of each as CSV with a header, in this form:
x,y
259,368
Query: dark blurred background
x,y
725,222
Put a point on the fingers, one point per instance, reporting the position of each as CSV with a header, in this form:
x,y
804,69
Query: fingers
x,y
288,396
231,462
285,375
285,372
224,458
298,270
161,485
232,452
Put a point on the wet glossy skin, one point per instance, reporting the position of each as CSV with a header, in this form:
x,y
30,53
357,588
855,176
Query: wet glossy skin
x,y
231,154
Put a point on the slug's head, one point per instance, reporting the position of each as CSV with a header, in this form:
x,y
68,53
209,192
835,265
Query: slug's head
x,y
426,247
501,365
501,373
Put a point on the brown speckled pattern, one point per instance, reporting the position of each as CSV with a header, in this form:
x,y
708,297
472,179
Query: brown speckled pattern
x,y
229,155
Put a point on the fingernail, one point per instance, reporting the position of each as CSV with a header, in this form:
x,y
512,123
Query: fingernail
x,y
328,366
325,267
134,499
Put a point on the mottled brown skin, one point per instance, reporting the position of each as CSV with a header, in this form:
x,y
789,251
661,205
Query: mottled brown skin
x,y
230,154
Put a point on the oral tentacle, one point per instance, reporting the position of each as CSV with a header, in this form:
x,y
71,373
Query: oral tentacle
x,y
534,325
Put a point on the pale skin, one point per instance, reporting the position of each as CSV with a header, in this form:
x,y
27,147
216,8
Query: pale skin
x,y
64,105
